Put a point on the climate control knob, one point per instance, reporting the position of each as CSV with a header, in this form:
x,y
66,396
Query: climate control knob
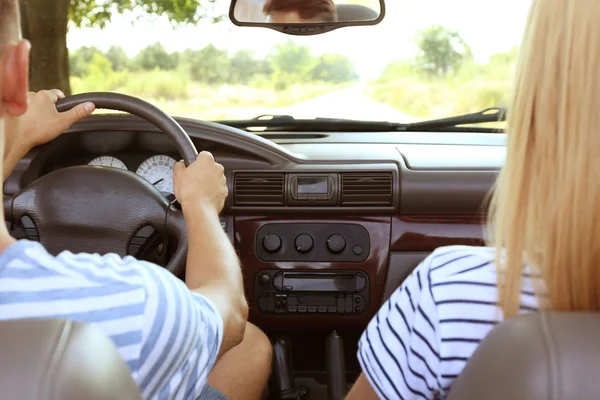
x,y
304,243
271,243
336,244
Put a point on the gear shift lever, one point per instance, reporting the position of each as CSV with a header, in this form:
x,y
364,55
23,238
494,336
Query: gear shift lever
x,y
336,367
283,376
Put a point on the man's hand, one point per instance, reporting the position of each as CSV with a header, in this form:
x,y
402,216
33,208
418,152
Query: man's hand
x,y
40,124
43,123
202,183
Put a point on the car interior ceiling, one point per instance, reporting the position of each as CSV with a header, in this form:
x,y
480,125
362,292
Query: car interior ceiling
x,y
327,223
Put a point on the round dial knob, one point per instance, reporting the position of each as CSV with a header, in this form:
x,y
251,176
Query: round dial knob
x,y
336,244
271,243
304,243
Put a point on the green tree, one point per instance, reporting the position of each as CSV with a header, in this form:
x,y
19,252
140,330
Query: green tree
x,y
45,24
291,63
335,68
156,56
80,59
441,50
119,59
99,65
210,65
245,66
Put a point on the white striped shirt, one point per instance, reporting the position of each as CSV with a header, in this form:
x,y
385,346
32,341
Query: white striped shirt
x,y
422,337
168,336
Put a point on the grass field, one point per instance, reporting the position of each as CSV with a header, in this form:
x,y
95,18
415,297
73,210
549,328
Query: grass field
x,y
178,95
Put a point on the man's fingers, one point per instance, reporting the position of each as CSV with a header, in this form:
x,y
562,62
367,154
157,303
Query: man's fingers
x,y
54,94
57,94
180,166
77,113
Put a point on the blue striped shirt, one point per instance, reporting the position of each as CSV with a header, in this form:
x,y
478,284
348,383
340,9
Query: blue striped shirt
x,y
422,337
168,335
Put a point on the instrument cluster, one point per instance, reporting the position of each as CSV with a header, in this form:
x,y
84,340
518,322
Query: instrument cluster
x,y
158,170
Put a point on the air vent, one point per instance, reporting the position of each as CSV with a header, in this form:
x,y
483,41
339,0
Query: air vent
x,y
367,189
258,189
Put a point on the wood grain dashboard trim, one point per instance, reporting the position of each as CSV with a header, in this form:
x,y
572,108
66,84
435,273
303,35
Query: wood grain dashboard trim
x,y
428,232
379,229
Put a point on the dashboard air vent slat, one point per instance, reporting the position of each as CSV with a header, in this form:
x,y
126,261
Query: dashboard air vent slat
x,y
367,189
258,189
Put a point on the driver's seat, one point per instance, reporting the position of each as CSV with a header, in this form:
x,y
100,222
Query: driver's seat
x,y
539,356
52,359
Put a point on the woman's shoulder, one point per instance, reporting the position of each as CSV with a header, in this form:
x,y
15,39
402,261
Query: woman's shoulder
x,y
460,262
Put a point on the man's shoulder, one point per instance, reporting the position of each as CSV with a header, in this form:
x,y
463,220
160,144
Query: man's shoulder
x,y
92,268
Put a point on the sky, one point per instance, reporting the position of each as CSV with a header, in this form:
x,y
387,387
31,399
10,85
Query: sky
x,y
487,26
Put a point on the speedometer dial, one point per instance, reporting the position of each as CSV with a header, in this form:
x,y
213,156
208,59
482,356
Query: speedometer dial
x,y
158,170
108,161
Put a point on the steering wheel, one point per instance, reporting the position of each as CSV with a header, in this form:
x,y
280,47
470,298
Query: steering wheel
x,y
100,210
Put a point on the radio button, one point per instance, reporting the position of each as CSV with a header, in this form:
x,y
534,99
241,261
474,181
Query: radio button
x,y
301,308
292,308
264,279
361,282
312,309
271,243
357,250
304,243
336,244
349,306
332,309
322,309
341,304
278,281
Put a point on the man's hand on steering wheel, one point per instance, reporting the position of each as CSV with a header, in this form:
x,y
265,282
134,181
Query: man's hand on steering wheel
x,y
43,122
203,183
40,124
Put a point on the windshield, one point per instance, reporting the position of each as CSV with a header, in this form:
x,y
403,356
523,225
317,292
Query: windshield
x,y
428,59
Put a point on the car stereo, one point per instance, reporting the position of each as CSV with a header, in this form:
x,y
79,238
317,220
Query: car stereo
x,y
312,292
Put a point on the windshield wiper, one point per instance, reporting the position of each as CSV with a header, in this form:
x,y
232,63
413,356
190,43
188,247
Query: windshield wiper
x,y
278,123
495,114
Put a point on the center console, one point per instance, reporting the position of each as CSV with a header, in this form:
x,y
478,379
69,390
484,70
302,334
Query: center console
x,y
325,272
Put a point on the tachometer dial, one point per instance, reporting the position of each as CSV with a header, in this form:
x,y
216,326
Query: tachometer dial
x,y
158,170
108,161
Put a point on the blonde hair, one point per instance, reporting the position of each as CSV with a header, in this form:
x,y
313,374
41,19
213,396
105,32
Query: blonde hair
x,y
545,212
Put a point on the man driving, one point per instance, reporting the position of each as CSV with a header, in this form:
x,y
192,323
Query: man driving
x,y
170,334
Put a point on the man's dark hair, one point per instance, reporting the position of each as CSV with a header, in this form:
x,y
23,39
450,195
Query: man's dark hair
x,y
323,10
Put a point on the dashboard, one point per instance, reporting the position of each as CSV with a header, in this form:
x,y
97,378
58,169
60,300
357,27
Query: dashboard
x,y
326,225
157,169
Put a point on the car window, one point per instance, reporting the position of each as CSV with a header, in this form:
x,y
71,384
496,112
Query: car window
x,y
427,59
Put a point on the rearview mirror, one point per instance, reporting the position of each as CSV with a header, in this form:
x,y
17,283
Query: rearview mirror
x,y
306,17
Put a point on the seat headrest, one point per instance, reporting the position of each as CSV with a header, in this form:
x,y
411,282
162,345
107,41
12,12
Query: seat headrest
x,y
355,12
52,359
539,356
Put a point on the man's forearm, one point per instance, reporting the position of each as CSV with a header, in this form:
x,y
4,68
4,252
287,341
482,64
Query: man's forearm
x,y
213,270
11,159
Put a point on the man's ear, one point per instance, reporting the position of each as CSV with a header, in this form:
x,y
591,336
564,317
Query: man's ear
x,y
14,79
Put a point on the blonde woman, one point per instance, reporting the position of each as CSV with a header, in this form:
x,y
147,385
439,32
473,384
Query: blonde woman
x,y
545,219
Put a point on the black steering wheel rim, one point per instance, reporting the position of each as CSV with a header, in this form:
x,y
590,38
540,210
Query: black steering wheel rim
x,y
140,108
